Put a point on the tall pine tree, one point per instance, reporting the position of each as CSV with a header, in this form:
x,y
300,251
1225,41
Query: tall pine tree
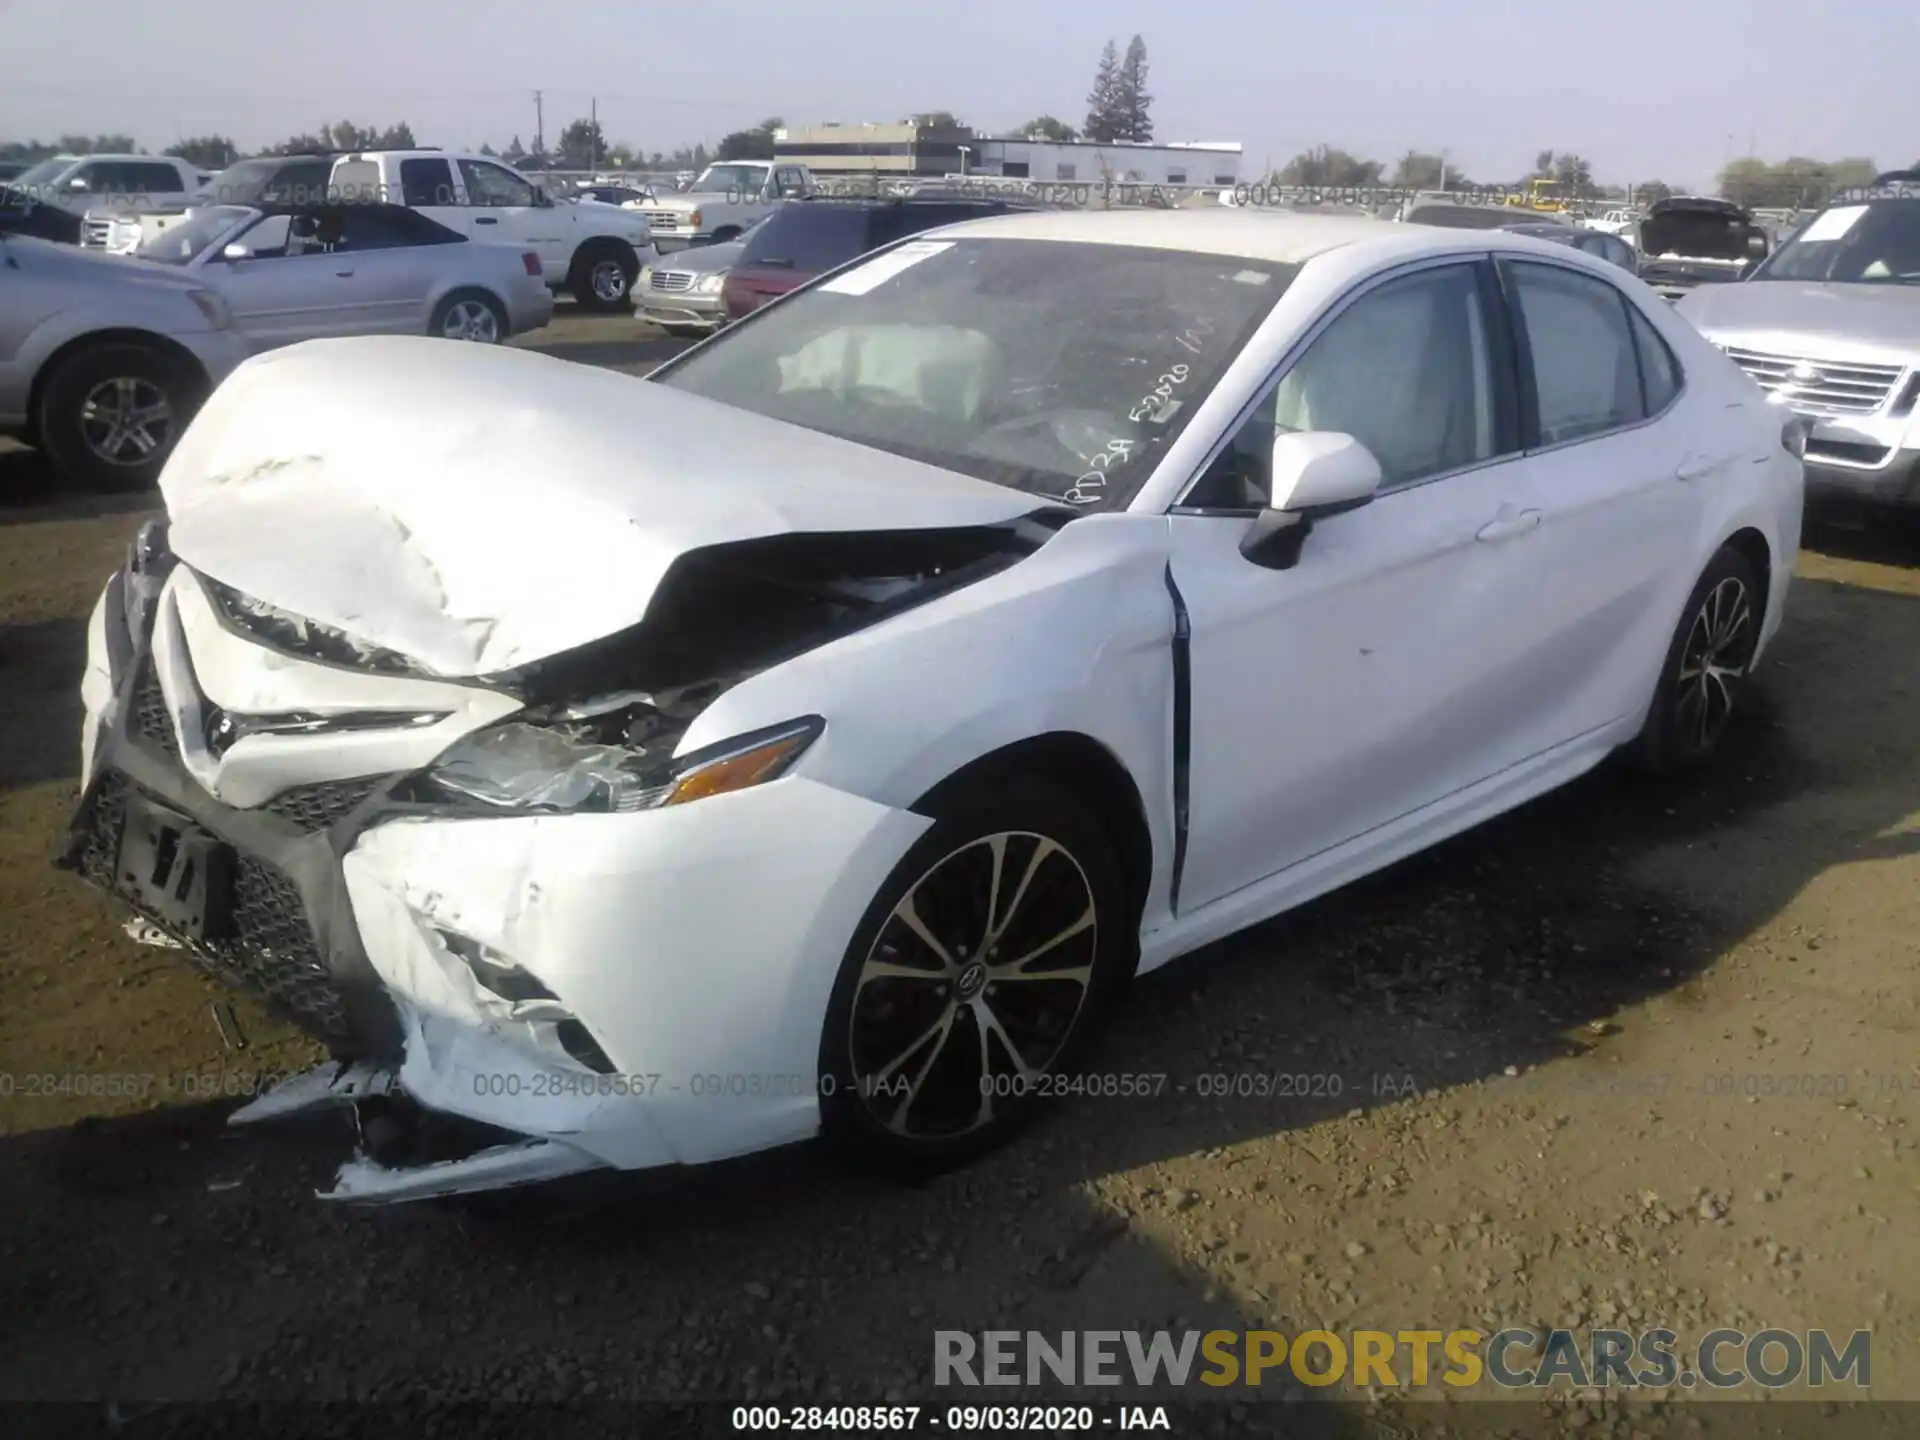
x,y
1104,117
1132,105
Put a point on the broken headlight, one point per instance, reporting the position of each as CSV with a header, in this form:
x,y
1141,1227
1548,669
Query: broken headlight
x,y
565,766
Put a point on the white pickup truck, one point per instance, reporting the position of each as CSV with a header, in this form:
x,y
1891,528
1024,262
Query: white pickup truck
x,y
55,199
588,249
592,250
723,201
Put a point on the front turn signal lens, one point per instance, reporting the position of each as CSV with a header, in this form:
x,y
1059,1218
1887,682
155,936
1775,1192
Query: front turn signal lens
x,y
743,763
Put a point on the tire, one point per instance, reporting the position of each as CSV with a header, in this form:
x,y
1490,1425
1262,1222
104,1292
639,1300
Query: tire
x,y
471,315
76,421
895,1086
683,332
603,276
1693,705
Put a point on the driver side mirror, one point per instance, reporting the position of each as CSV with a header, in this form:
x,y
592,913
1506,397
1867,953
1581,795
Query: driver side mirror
x,y
541,199
237,251
78,182
1314,475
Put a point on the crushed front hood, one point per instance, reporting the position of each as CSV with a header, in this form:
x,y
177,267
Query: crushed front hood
x,y
476,508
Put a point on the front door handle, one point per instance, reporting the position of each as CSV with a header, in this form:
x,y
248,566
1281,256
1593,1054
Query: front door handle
x,y
1511,526
1696,467
485,220
344,274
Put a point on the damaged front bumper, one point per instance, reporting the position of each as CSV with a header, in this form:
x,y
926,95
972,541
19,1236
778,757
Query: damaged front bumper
x,y
587,990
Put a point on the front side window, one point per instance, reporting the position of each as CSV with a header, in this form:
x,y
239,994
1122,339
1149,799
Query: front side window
x,y
1875,243
1406,370
1585,373
493,185
1064,369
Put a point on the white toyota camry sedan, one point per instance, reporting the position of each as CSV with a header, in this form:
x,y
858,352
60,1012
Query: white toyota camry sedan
x,y
818,734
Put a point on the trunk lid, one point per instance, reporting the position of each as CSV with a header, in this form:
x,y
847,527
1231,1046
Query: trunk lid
x,y
477,508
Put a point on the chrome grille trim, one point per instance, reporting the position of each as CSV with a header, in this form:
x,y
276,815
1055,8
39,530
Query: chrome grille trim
x,y
1834,388
672,281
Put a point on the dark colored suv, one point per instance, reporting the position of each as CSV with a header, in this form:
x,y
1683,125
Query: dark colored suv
x,y
809,237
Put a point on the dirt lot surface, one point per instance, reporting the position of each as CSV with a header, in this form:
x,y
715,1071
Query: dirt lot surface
x,y
1640,1054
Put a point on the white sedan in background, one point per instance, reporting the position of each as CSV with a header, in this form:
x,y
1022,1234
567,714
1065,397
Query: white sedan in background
x,y
303,272
819,733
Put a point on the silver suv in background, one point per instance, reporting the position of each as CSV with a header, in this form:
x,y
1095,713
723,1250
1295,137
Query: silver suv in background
x,y
1829,325
102,363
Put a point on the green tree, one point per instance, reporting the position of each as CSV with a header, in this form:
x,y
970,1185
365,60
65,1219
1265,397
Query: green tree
x,y
1045,127
1132,104
1647,192
209,152
515,151
581,145
1326,168
1104,118
1418,170
938,120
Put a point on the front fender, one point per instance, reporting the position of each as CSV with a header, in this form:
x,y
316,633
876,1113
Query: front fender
x,y
1075,638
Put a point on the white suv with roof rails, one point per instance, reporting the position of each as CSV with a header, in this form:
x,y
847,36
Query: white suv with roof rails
x,y
591,250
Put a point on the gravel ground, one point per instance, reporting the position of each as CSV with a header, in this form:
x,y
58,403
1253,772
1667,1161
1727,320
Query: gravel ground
x,y
1640,1054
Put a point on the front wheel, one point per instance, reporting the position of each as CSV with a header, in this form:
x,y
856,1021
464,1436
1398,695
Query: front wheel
x,y
1706,668
976,980
110,414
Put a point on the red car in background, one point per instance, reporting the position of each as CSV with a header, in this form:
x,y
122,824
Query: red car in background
x,y
808,237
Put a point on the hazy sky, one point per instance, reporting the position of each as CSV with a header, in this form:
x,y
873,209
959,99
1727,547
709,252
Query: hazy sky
x,y
1646,89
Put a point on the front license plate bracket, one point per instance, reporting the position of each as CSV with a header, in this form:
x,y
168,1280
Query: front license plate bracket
x,y
175,871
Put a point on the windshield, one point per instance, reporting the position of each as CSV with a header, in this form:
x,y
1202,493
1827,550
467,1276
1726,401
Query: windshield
x,y
41,174
177,244
1064,369
718,178
1876,243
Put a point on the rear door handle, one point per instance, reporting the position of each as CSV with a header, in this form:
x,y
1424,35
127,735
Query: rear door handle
x,y
1508,528
485,220
344,274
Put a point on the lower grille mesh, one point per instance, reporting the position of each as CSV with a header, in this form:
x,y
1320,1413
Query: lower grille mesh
x,y
272,950
315,807
150,718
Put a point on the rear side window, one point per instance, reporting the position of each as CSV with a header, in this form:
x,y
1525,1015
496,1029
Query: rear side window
x,y
1659,371
302,183
810,237
426,182
1586,374
149,177
894,224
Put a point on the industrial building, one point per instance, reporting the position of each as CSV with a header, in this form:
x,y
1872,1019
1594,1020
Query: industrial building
x,y
907,149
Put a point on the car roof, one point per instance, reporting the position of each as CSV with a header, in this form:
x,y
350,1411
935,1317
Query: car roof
x,y
1285,239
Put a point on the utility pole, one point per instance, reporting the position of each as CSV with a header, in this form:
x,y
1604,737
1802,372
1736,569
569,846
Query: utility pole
x,y
593,124
539,128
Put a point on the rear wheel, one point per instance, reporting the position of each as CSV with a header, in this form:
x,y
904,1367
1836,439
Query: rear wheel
x,y
603,275
1706,668
469,315
977,979
110,414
